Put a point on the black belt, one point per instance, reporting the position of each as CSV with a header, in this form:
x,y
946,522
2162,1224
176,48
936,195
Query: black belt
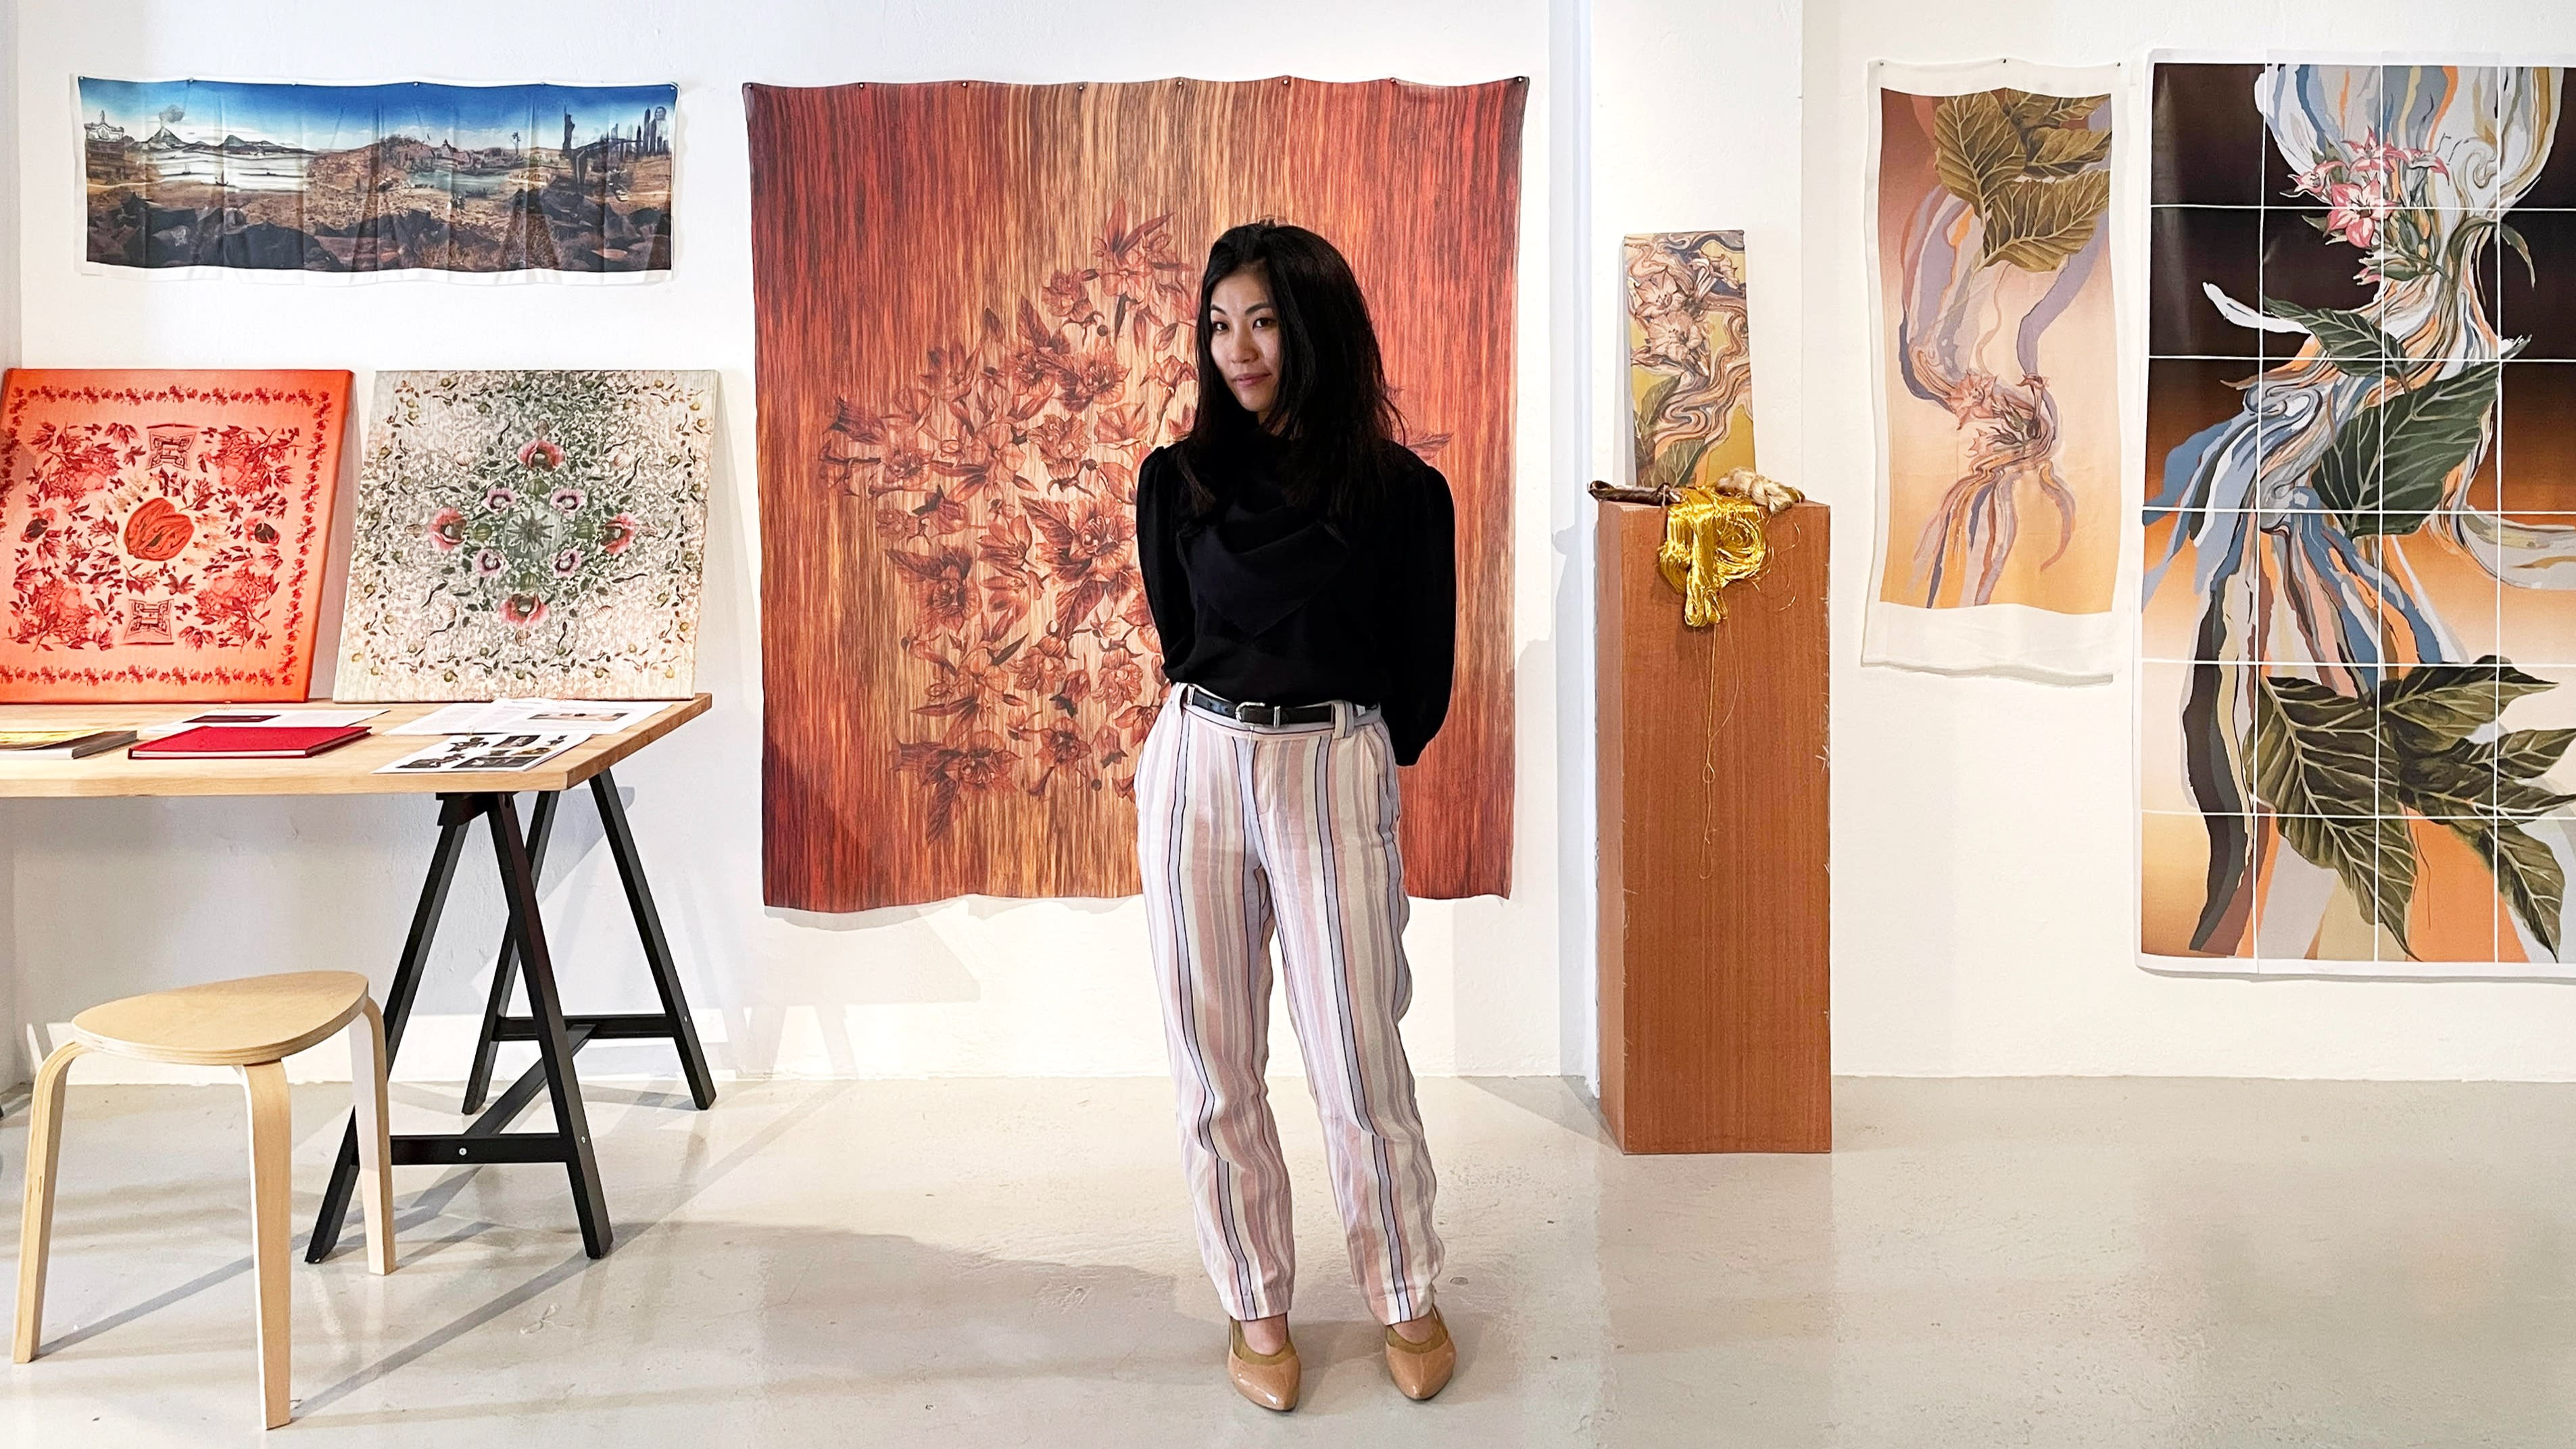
x,y
1256,713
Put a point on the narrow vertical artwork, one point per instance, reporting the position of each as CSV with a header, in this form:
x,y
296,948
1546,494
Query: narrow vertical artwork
x,y
529,533
166,532
1690,357
975,307
2359,593
1997,379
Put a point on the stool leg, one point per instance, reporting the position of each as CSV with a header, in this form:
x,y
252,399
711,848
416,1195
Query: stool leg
x,y
375,1148
272,1133
36,1231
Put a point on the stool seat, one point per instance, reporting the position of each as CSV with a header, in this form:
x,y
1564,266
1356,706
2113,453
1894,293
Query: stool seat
x,y
226,1023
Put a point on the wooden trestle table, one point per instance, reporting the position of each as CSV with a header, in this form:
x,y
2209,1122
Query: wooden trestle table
x,y
462,799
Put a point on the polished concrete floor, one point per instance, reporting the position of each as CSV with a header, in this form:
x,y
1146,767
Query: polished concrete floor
x,y
2092,1263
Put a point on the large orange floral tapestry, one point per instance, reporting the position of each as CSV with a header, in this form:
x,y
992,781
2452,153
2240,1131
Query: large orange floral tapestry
x,y
975,307
165,532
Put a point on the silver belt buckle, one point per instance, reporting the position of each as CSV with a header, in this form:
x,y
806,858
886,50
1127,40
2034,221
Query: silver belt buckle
x,y
1240,717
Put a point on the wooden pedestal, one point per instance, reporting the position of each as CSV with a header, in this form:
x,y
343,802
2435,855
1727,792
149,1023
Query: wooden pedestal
x,y
1713,866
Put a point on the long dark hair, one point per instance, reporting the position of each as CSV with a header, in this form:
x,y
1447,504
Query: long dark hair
x,y
1335,419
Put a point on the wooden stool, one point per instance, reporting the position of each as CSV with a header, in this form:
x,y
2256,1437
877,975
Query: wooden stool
x,y
253,1024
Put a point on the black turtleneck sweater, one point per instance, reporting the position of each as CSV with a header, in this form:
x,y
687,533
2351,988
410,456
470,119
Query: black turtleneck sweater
x,y
1264,601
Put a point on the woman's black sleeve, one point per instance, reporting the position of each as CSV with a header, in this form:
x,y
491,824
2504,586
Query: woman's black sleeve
x,y
1427,626
1158,555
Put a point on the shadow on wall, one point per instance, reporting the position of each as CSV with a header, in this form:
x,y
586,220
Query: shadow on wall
x,y
729,600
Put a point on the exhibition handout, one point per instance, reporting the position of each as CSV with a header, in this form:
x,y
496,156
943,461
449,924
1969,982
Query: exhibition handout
x,y
559,716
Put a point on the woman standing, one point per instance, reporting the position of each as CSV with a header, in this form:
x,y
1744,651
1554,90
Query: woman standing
x,y
1301,572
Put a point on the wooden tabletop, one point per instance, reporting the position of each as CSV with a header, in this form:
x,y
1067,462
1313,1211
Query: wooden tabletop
x,y
348,770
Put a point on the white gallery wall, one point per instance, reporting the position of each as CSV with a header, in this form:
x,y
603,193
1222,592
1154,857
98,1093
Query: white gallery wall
x,y
1982,834
1983,838
120,896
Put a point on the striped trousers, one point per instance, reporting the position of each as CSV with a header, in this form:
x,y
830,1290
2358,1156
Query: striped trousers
x,y
1243,831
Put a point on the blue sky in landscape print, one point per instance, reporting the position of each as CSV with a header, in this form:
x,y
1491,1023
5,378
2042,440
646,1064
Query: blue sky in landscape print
x,y
333,118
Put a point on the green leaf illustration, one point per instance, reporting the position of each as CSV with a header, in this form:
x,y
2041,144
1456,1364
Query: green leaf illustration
x,y
2350,340
2029,110
2490,779
2028,175
1674,466
2446,786
2317,768
2450,702
1649,408
2526,873
2063,153
1975,146
2386,467
2343,775
2528,754
2038,225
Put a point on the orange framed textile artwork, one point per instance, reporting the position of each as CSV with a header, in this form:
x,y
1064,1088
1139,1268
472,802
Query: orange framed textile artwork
x,y
975,310
166,532
1999,525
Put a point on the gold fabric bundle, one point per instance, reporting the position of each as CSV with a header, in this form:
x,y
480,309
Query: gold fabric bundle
x,y
1711,539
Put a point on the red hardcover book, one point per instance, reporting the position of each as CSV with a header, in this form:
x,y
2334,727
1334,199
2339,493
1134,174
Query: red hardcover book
x,y
248,742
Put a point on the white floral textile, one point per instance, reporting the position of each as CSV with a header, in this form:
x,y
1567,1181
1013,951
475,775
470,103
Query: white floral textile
x,y
529,533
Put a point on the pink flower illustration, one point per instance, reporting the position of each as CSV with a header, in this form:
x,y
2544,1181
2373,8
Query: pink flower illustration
x,y
500,500
2354,211
567,563
2364,190
2372,155
568,500
523,609
539,453
489,562
620,533
446,529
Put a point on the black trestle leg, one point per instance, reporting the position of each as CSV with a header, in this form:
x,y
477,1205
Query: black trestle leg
x,y
455,812
505,967
554,1045
657,949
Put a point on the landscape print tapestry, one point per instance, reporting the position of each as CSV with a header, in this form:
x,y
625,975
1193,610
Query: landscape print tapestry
x,y
2357,676
165,532
1690,357
975,307
527,180
1999,518
529,534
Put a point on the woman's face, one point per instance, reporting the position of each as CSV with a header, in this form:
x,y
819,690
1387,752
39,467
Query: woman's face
x,y
1245,343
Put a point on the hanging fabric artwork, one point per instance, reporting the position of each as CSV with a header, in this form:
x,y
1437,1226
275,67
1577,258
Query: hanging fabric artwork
x,y
2358,633
1997,374
529,534
165,532
975,310
523,180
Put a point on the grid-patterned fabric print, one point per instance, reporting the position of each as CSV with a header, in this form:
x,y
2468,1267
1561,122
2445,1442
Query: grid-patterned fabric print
x,y
2359,600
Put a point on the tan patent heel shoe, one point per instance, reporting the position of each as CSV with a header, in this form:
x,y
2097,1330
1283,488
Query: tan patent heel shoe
x,y
1422,1369
1267,1379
